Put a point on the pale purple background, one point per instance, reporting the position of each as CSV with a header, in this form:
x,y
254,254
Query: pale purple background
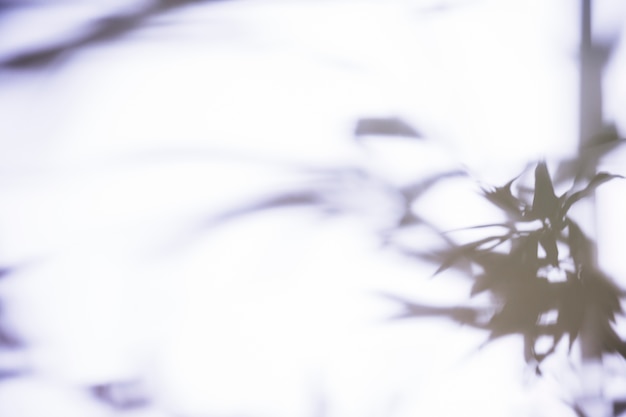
x,y
111,160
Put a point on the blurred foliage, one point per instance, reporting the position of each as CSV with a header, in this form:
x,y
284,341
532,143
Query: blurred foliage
x,y
105,29
541,265
539,268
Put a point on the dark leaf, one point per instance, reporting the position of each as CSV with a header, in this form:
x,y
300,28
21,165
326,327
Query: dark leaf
x,y
538,357
580,246
482,283
595,182
613,343
469,251
482,226
586,163
601,292
525,250
545,202
571,309
412,309
105,29
549,244
619,407
501,271
523,303
503,198
607,136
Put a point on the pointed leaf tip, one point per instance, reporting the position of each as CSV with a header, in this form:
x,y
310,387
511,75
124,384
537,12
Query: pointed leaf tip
x,y
596,181
545,202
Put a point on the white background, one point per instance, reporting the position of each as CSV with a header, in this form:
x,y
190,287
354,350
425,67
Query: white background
x,y
115,160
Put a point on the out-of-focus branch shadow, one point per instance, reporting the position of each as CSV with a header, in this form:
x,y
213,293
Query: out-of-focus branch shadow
x,y
388,126
121,395
9,341
105,29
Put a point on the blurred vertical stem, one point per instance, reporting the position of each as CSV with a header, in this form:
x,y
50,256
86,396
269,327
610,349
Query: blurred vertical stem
x,y
592,61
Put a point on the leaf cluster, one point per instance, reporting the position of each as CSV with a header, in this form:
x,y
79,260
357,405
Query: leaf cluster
x,y
541,271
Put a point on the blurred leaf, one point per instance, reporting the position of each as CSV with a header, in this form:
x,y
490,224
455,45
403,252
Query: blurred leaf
x,y
5,272
601,292
595,182
412,309
619,407
411,192
524,303
121,395
613,343
8,339
288,199
483,226
579,245
415,190
385,126
548,243
586,162
503,198
525,251
105,29
608,135
571,309
545,202
468,251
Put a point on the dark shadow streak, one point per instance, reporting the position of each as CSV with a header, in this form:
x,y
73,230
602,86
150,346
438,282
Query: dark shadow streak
x,y
123,395
101,30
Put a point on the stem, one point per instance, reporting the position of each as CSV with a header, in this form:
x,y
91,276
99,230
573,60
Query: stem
x,y
590,119
592,60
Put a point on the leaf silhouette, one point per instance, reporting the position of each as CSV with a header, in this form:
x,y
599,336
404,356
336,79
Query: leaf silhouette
x,y
548,240
571,309
584,164
503,198
579,244
411,192
101,30
613,343
418,188
595,182
413,309
469,251
121,395
619,407
545,202
385,126
524,251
